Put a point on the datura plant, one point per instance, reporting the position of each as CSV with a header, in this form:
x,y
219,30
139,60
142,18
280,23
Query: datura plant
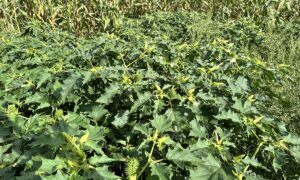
x,y
148,100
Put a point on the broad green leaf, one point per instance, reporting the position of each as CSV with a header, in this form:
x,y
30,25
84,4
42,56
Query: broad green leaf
x,y
93,145
97,112
53,140
180,155
69,85
200,145
292,139
4,148
234,117
96,133
86,76
143,128
142,98
158,105
238,86
210,169
75,120
197,130
58,176
37,97
253,162
161,171
51,165
151,74
43,78
109,94
121,119
253,176
295,151
245,108
102,173
242,83
161,123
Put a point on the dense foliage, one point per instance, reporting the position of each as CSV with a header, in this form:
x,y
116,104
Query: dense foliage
x,y
158,97
88,17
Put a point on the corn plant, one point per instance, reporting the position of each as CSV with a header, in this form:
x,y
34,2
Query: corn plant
x,y
89,17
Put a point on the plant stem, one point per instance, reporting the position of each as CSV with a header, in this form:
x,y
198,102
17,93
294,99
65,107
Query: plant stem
x,y
254,155
149,157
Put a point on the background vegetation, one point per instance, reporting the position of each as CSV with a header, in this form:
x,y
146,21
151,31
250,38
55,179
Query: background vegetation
x,y
87,17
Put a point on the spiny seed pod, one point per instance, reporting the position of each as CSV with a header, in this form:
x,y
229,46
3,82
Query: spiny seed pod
x,y
132,168
58,113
